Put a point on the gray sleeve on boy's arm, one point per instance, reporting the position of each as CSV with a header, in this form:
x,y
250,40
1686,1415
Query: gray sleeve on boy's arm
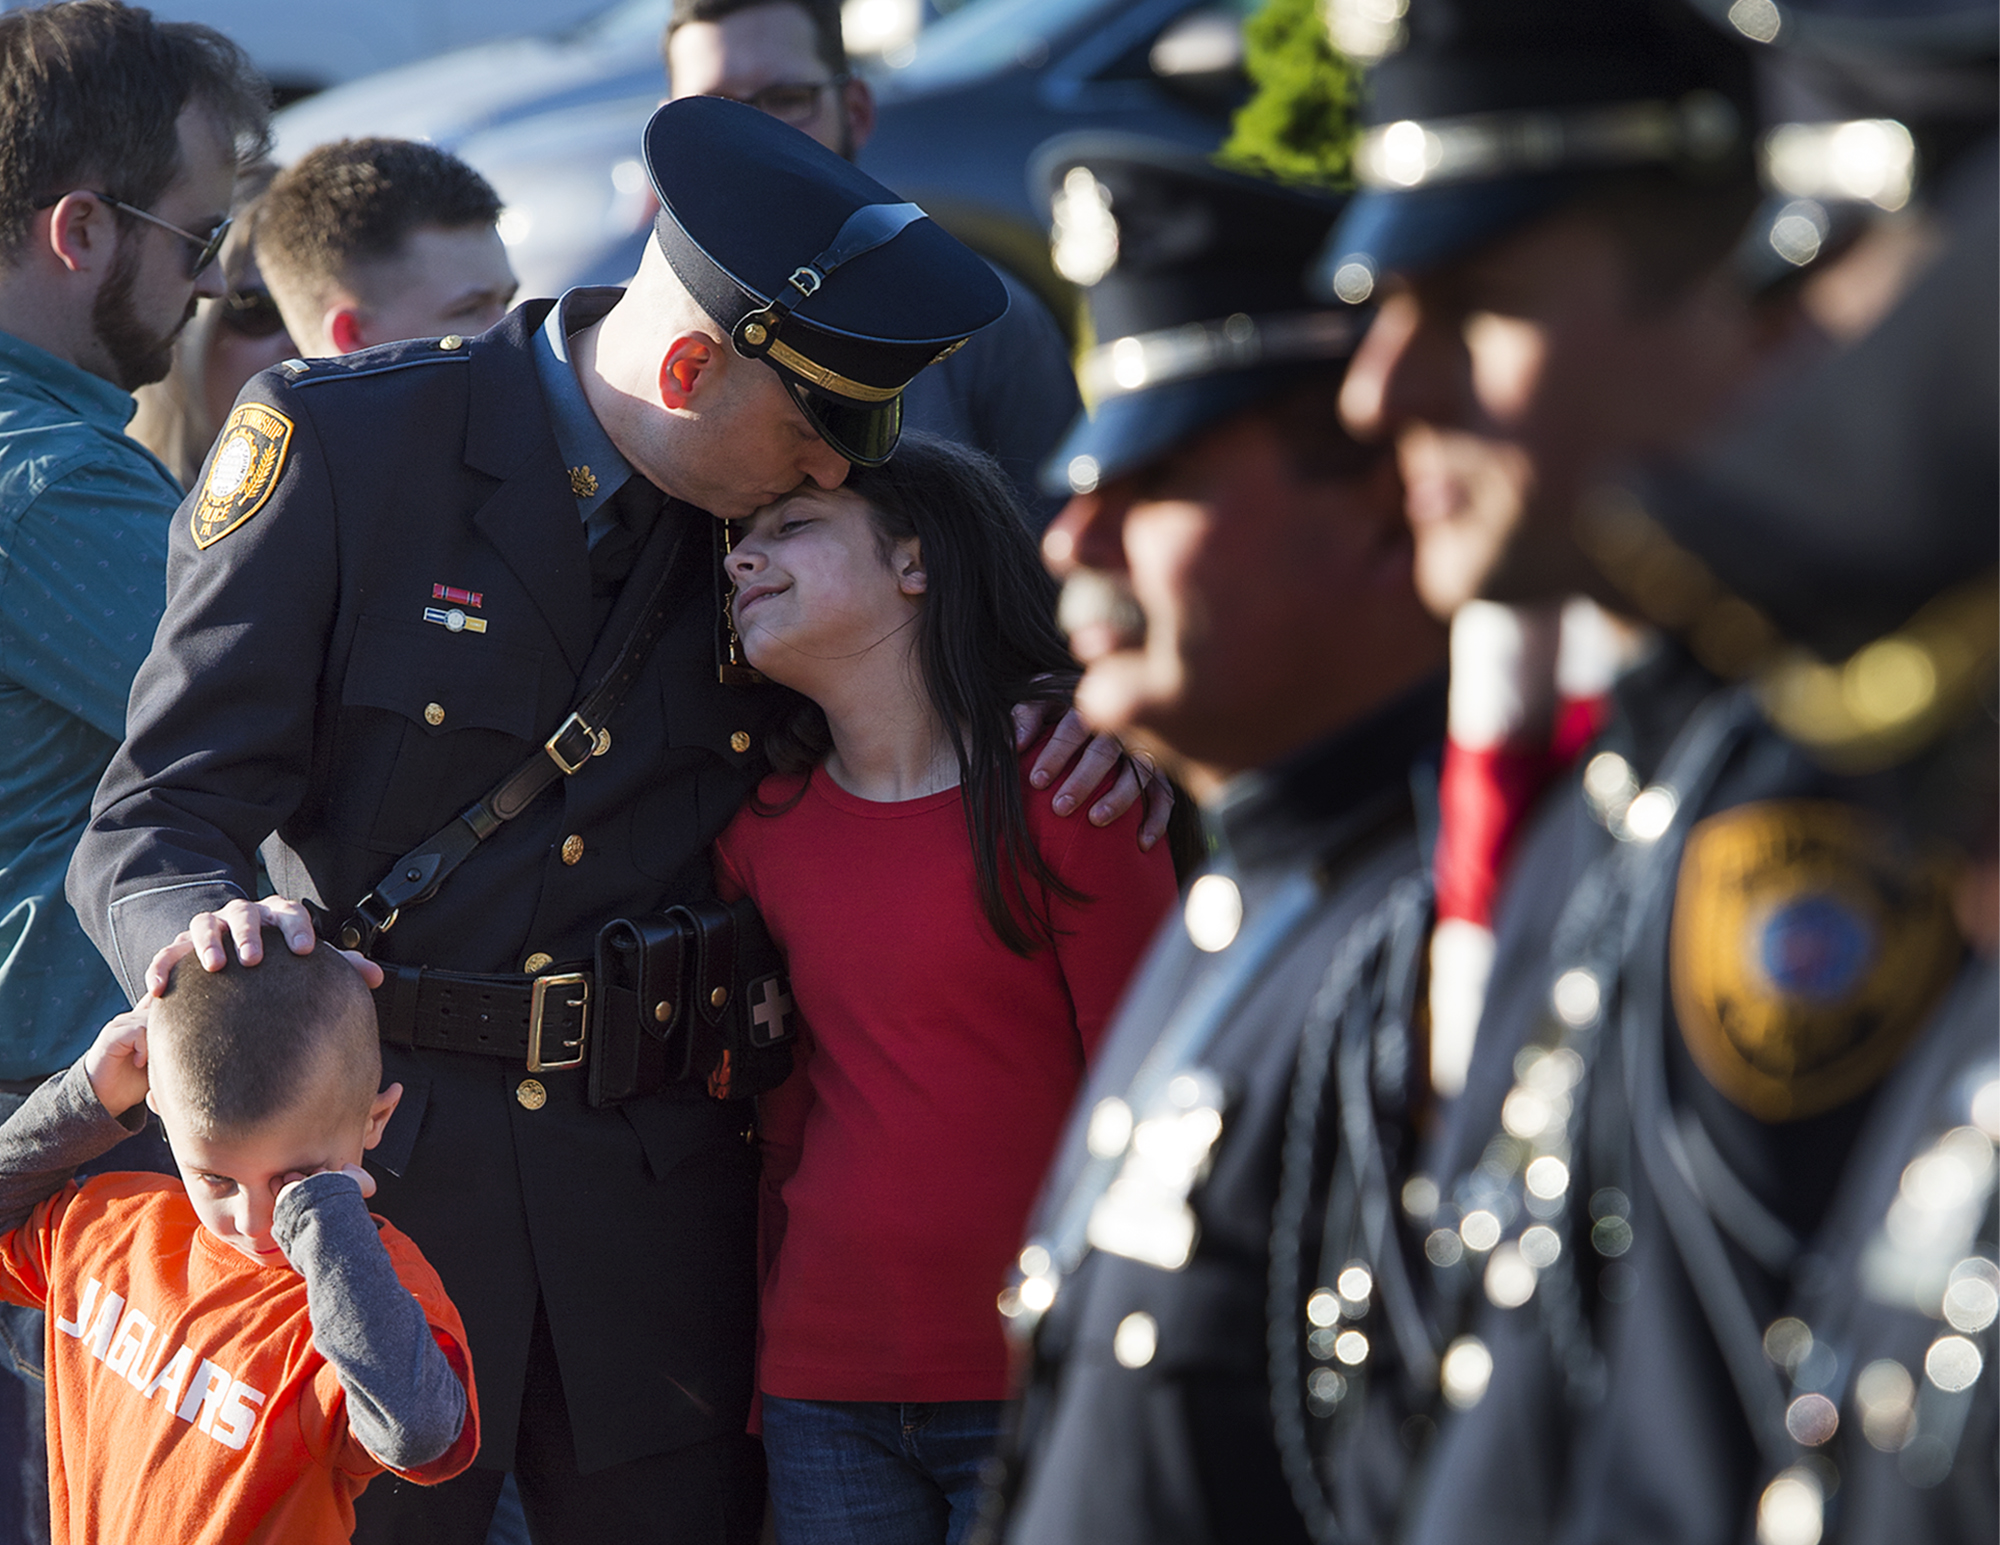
x,y
404,1402
59,1126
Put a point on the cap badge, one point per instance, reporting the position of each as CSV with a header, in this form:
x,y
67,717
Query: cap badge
x,y
1805,953
1084,244
250,454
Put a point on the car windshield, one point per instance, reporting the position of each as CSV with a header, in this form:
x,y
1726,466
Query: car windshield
x,y
629,24
982,37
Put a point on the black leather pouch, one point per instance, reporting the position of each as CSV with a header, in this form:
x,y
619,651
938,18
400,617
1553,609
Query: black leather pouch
x,y
696,997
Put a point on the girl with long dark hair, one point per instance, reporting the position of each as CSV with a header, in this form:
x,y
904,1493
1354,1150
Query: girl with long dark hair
x,y
955,952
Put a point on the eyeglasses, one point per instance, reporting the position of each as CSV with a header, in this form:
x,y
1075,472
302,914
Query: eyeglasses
x,y
791,101
206,247
251,314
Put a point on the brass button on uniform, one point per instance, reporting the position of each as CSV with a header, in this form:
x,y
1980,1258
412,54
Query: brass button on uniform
x,y
572,848
531,1094
719,997
451,341
740,742
663,1011
433,714
537,963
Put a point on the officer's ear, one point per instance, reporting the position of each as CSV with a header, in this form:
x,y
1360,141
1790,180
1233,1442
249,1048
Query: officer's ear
x,y
689,359
344,331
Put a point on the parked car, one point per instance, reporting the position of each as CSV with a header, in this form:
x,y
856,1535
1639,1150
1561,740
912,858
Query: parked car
x,y
554,122
304,48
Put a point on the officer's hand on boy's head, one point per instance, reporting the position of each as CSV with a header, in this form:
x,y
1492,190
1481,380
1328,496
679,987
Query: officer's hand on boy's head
x,y
116,1061
242,924
1093,756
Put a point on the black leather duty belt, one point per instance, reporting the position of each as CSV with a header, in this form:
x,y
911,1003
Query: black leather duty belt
x,y
543,1021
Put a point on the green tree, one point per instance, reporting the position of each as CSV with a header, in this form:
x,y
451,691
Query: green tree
x,y
1299,124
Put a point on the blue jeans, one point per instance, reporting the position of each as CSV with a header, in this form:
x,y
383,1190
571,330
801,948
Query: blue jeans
x,y
853,1472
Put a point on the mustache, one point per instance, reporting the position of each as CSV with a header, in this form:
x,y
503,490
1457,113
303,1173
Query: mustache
x,y
1090,598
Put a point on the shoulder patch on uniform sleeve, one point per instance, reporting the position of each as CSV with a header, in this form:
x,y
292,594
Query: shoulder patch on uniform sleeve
x,y
1806,952
249,455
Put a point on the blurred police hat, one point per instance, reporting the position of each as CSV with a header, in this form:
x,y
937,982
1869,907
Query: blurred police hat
x,y
814,267
1195,282
1483,114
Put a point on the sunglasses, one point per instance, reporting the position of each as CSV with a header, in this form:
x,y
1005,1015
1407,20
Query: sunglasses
x,y
792,102
205,247
251,314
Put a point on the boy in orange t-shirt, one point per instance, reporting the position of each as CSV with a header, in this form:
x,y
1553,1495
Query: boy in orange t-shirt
x,y
233,1357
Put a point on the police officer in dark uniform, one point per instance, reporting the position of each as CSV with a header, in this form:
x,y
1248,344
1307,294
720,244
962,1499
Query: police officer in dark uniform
x,y
403,574
1853,514
1237,583
1724,958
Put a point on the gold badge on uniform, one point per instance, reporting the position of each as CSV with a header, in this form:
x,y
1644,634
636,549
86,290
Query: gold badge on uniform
x,y
1806,952
248,457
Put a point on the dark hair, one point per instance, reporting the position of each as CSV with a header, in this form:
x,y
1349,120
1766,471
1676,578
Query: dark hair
x,y
359,199
823,14
248,1043
986,640
90,92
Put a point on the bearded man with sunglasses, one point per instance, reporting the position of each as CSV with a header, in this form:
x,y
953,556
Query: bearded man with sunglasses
x,y
122,138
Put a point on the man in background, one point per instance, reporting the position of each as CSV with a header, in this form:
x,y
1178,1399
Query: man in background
x,y
368,241
1010,391
122,139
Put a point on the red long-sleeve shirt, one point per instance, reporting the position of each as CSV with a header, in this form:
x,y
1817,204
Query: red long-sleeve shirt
x,y
934,1075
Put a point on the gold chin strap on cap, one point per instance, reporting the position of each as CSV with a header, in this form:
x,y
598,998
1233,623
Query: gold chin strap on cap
x,y
827,380
869,227
1882,705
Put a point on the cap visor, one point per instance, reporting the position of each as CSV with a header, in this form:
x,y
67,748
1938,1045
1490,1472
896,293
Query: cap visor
x,y
1409,231
865,436
1127,432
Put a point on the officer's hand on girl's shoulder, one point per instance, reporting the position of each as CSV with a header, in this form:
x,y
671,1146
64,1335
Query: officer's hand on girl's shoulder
x,y
241,924
1088,758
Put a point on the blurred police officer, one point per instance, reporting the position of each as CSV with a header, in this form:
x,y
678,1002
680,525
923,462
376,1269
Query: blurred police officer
x,y
1851,517
401,575
1236,581
1707,963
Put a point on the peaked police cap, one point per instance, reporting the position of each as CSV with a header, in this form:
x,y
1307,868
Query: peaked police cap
x,y
1195,279
812,266
1486,114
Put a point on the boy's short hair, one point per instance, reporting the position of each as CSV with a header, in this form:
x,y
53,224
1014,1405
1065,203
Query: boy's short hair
x,y
357,201
90,92
250,1043
828,42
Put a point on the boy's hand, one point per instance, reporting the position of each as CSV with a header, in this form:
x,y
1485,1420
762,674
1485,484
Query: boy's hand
x,y
1089,758
116,1061
361,1178
242,923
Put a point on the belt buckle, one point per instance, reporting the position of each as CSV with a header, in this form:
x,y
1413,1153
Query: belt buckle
x,y
570,768
538,994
